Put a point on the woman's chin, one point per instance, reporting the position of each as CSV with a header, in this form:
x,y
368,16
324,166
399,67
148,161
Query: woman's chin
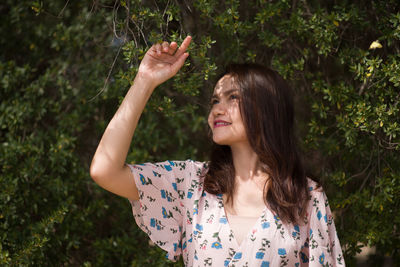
x,y
221,141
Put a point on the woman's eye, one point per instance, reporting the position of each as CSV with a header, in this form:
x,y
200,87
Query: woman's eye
x,y
234,97
214,101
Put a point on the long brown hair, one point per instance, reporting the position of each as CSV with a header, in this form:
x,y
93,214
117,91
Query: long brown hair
x,y
266,106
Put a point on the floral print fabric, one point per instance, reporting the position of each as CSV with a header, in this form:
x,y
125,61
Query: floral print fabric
x,y
183,219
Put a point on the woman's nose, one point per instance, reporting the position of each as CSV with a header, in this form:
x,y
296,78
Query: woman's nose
x,y
219,109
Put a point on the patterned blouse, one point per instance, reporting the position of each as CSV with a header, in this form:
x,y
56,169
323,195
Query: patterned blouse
x,y
183,219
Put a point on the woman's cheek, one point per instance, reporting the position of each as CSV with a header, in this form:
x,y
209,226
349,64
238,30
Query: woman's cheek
x,y
210,121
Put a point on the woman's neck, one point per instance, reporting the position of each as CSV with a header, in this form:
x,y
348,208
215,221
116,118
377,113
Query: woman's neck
x,y
245,161
248,195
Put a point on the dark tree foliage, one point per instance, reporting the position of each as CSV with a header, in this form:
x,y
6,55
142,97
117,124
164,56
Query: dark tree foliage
x,y
66,65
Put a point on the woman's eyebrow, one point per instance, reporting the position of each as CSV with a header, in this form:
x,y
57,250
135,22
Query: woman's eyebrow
x,y
228,92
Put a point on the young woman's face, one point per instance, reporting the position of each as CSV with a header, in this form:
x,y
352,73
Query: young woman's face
x,y
225,119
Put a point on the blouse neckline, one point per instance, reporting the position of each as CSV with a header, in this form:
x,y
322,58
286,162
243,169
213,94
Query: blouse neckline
x,y
251,231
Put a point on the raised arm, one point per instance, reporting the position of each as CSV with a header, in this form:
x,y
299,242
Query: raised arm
x,y
108,169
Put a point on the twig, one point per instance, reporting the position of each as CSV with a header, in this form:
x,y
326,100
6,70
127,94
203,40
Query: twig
x,y
365,169
108,76
62,10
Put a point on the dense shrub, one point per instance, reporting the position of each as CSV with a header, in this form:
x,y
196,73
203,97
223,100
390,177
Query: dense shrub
x,y
65,66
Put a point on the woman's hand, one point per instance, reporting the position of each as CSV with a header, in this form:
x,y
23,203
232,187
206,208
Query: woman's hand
x,y
163,61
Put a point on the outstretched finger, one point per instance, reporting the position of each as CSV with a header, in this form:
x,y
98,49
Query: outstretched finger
x,y
183,47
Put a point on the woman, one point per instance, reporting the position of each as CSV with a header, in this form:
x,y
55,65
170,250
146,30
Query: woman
x,y
252,204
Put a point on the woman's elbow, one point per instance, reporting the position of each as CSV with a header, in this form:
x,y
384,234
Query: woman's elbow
x,y
98,172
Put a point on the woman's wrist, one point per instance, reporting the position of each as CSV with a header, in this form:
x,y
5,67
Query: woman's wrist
x,y
144,82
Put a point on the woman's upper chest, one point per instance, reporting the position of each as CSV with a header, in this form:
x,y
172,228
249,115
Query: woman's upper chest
x,y
248,198
246,202
209,232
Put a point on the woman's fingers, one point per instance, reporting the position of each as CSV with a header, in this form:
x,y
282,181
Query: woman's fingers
x,y
165,47
183,47
169,48
169,52
157,49
172,48
179,62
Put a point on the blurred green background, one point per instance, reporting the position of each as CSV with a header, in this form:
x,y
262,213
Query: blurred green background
x,y
66,65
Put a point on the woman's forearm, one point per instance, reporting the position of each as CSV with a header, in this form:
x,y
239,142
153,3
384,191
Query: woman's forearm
x,y
113,148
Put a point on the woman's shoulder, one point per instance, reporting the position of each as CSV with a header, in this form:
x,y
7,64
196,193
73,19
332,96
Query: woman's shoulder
x,y
192,166
313,185
317,195
315,189
188,165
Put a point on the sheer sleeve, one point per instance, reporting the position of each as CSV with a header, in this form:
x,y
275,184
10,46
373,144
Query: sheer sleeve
x,y
163,197
322,247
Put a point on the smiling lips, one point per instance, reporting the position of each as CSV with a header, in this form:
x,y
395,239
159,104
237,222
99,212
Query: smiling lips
x,y
221,123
